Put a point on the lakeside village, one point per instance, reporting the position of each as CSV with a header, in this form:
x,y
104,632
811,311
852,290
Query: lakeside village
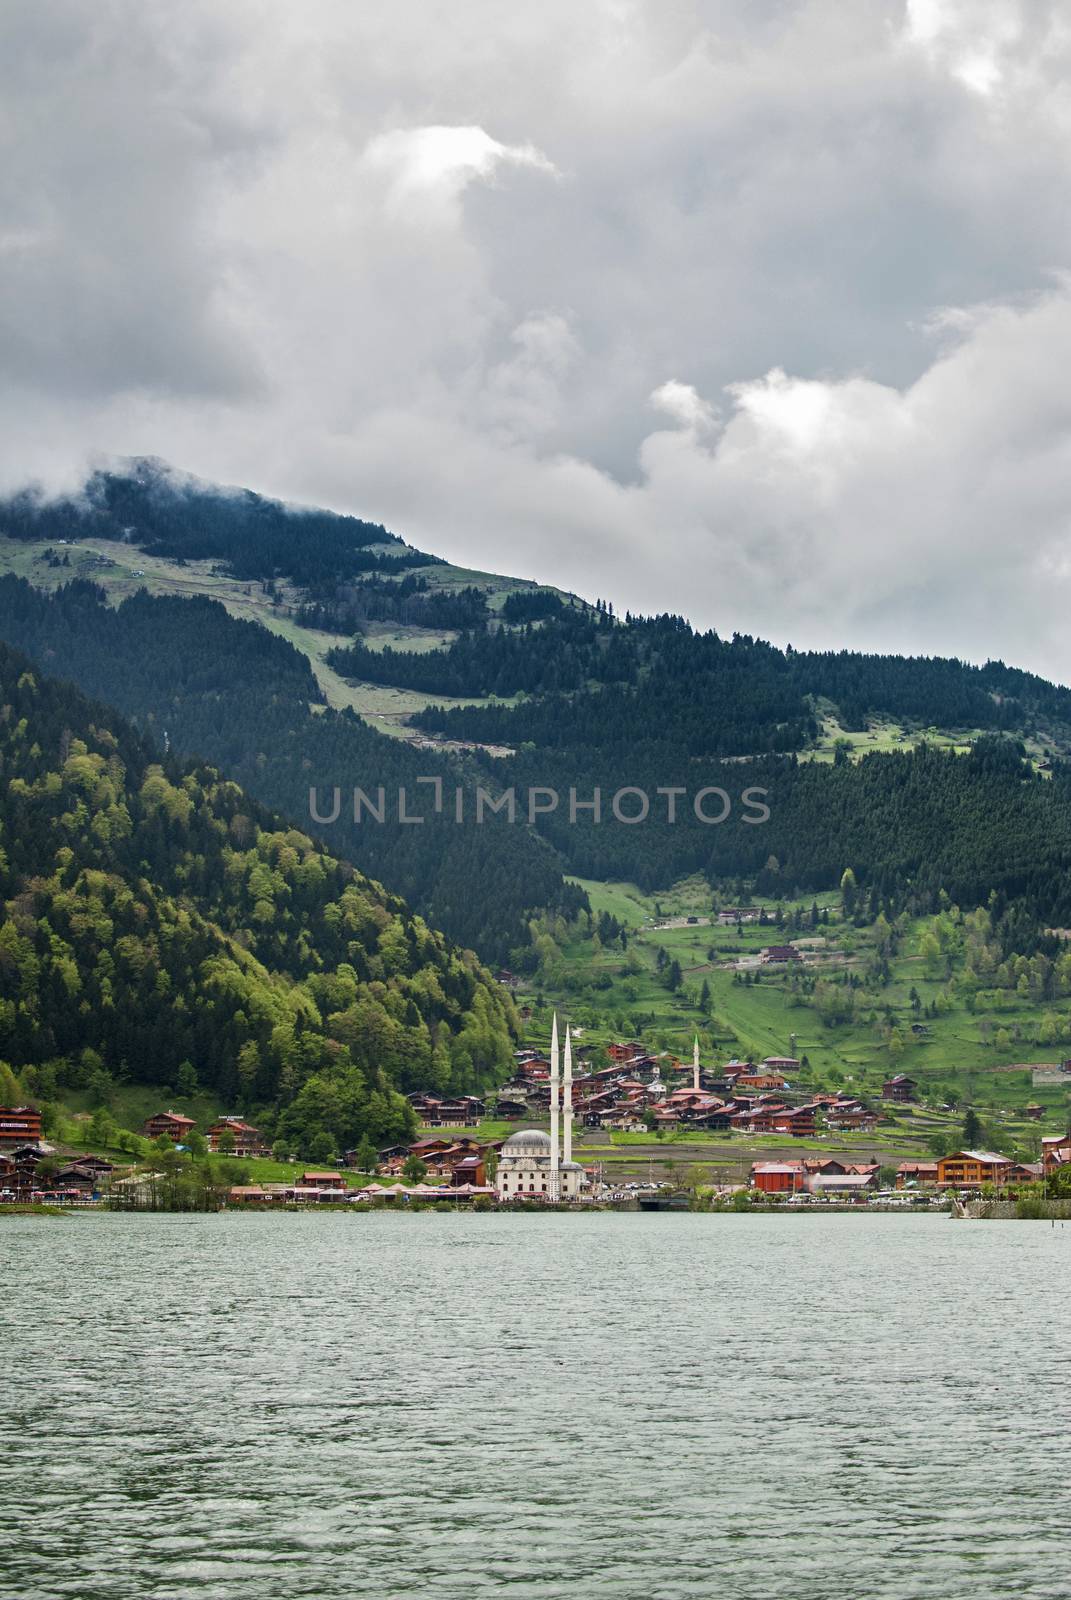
x,y
636,1093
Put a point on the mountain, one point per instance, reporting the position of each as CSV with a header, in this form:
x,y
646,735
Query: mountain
x,y
162,512
256,636
159,926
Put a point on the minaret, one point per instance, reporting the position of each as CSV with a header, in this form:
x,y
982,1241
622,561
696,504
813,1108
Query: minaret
x,y
554,1178
567,1099
695,1065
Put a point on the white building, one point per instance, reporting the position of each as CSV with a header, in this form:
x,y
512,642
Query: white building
x,y
530,1162
524,1168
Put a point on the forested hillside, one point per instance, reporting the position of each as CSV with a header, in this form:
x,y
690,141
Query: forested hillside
x,y
159,926
913,826
595,701
603,684
239,696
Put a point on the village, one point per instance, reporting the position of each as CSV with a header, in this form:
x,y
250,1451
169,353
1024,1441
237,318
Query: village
x,y
636,1093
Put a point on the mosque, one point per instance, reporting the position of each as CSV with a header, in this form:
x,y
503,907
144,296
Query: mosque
x,y
530,1162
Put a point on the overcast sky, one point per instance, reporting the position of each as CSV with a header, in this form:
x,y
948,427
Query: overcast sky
x,y
758,310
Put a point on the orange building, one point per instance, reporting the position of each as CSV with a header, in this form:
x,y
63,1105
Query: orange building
x,y
777,1177
969,1169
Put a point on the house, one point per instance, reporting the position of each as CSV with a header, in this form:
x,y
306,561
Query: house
x,y
390,1152
25,1160
322,1180
911,1174
171,1123
1055,1152
622,1119
783,1064
779,955
96,1164
461,1112
19,1125
247,1139
969,1169
797,1120
469,1170
76,1179
625,1052
731,915
719,1119
758,1119
858,1119
777,1177
901,1088
760,1081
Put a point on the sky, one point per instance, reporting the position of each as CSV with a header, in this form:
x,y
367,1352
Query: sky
x,y
754,310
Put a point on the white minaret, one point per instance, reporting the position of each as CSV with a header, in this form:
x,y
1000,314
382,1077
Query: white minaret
x,y
567,1098
555,1182
695,1064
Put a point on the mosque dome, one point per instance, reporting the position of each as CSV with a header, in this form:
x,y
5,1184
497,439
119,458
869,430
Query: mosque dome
x,y
529,1142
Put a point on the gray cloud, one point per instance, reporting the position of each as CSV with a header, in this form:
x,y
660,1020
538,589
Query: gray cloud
x,y
748,310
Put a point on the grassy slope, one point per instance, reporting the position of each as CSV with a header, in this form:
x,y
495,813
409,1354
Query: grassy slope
x,y
756,1020
121,570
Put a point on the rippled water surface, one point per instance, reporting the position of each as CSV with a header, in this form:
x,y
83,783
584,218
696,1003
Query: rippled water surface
x,y
258,1408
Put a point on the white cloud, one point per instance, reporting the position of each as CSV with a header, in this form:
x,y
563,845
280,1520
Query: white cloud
x,y
432,166
783,349
683,403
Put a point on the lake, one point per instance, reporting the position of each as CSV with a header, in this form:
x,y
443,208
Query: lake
x,y
643,1406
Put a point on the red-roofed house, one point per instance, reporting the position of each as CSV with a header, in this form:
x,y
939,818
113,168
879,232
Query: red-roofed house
x,y
247,1139
172,1123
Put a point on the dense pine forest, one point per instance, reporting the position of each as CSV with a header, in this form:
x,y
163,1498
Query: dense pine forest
x,y
654,679
210,685
914,826
159,926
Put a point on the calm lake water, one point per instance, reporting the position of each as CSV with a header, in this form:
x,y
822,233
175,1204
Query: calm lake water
x,y
653,1407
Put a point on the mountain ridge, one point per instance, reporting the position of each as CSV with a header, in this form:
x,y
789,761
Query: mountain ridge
x,y
533,686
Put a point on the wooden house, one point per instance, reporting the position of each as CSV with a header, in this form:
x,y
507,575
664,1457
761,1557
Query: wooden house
x,y
969,1169
914,1174
777,1177
19,1125
797,1120
901,1089
760,1081
76,1178
171,1123
1055,1152
247,1139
